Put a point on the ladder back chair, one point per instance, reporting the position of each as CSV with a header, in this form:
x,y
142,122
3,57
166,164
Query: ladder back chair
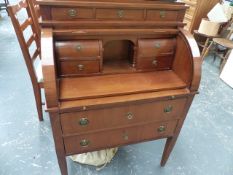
x,y
32,60
3,5
224,42
35,12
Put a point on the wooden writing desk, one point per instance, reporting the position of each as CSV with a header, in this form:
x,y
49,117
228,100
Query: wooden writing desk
x,y
116,73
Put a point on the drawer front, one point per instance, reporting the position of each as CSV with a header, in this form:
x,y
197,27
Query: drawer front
x,y
156,47
79,67
119,14
81,122
71,13
155,63
162,15
112,138
78,49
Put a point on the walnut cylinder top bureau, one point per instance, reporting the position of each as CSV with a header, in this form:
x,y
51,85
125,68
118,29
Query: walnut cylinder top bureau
x,y
116,72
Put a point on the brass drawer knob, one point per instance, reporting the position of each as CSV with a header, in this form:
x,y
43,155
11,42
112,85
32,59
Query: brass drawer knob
x,y
161,128
78,47
120,13
80,67
168,109
125,136
83,122
84,143
72,12
129,115
162,14
157,45
155,62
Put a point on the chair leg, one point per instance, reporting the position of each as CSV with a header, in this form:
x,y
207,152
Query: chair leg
x,y
224,60
215,55
206,46
37,93
6,3
206,51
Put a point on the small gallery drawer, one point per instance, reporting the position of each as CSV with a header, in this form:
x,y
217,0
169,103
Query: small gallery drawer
x,y
79,67
162,15
155,47
155,63
78,49
92,120
118,137
120,14
71,13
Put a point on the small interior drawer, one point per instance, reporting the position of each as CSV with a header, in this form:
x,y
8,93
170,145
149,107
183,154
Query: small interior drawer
x,y
156,47
120,14
155,63
78,49
162,15
79,67
118,137
71,13
93,120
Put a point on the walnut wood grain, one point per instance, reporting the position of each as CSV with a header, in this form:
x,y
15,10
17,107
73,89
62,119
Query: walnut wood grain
x,y
171,141
119,84
78,49
114,138
122,116
155,63
195,57
122,36
79,67
110,24
126,4
156,47
59,143
108,102
48,68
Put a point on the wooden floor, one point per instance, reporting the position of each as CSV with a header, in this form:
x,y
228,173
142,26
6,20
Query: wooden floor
x,y
122,84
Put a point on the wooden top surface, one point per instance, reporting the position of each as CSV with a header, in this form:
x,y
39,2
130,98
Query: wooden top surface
x,y
121,84
96,103
106,3
118,1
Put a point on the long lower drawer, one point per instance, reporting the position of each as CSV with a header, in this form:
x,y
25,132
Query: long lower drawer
x,y
121,116
118,137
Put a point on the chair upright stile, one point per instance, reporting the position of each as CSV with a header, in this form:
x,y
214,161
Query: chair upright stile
x,y
35,71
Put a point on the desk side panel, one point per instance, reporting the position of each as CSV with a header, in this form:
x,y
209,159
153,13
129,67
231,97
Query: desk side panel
x,y
187,62
48,68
